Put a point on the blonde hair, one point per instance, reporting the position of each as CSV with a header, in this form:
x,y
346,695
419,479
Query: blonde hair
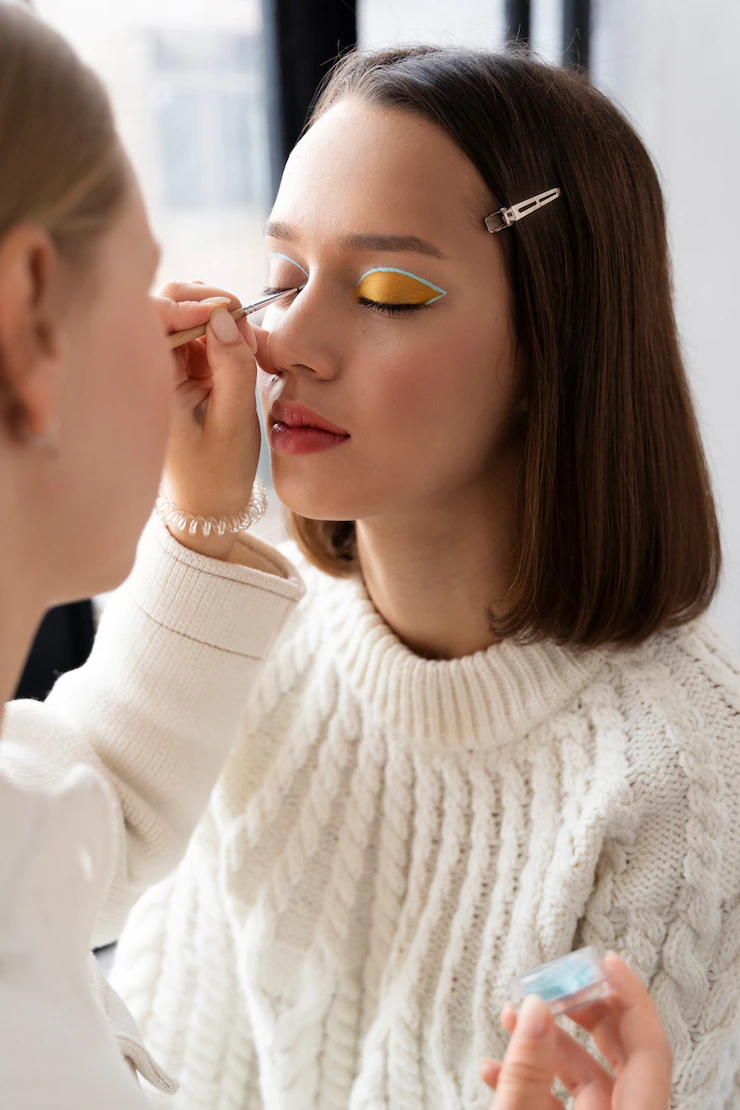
x,y
61,163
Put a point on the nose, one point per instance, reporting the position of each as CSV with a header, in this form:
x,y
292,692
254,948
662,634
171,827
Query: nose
x,y
303,337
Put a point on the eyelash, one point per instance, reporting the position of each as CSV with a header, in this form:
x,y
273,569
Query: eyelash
x,y
270,289
375,306
388,309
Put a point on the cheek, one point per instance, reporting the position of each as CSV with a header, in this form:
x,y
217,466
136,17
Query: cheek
x,y
444,380
129,389
142,378
437,406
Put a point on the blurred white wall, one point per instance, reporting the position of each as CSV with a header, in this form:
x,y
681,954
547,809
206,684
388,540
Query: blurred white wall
x,y
212,241
383,22
672,66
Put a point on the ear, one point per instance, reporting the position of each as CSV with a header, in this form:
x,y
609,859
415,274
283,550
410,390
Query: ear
x,y
30,365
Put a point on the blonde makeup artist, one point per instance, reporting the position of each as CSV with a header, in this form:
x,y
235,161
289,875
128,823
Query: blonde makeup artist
x,y
86,382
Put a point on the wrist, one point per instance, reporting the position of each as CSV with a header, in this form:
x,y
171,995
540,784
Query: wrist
x,y
214,546
215,534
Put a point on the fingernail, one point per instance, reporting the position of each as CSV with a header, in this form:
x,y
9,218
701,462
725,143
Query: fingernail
x,y
214,300
223,326
532,1018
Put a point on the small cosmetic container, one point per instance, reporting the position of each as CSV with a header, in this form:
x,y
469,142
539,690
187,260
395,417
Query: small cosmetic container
x,y
566,983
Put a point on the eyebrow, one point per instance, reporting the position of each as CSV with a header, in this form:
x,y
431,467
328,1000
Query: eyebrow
x,y
356,241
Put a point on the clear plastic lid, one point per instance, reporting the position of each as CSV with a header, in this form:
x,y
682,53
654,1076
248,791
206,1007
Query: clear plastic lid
x,y
566,983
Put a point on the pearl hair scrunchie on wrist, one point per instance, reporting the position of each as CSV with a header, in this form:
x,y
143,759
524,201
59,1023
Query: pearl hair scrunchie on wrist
x,y
176,518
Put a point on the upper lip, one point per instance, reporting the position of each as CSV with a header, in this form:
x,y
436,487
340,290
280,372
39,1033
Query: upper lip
x,y
298,416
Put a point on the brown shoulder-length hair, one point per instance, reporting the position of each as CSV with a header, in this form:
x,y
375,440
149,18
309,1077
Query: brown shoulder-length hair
x,y
617,529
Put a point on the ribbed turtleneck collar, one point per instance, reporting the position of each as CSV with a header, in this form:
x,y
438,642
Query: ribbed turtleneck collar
x,y
481,700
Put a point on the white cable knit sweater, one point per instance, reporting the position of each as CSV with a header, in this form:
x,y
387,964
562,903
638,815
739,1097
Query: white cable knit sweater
x,y
392,838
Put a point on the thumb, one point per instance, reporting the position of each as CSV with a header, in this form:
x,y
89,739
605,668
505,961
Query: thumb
x,y
528,1068
233,370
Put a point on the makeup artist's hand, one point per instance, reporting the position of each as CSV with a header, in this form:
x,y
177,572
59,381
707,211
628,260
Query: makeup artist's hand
x,y
626,1030
215,441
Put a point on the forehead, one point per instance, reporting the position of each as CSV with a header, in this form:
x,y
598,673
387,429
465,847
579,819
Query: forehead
x,y
382,169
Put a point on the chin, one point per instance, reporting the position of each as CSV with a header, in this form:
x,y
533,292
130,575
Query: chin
x,y
315,504
339,493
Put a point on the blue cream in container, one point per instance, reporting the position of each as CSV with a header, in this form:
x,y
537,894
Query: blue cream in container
x,y
566,983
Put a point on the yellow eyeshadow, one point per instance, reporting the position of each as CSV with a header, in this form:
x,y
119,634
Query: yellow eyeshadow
x,y
386,285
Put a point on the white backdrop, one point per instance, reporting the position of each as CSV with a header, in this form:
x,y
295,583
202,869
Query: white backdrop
x,y
672,65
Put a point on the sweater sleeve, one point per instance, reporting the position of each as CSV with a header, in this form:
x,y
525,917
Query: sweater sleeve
x,y
667,895
157,705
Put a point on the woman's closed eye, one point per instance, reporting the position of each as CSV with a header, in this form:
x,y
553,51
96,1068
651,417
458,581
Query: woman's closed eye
x,y
298,275
270,289
384,289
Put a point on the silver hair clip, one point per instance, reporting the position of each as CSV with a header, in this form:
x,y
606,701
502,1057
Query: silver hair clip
x,y
505,217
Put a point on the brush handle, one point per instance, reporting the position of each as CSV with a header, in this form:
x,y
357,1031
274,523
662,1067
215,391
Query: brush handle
x,y
178,338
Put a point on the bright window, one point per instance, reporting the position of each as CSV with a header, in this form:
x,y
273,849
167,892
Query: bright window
x,y
187,85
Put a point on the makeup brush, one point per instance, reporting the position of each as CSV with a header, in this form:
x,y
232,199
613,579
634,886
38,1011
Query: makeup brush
x,y
179,337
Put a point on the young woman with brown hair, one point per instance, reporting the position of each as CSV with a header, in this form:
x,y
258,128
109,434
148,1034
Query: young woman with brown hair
x,y
497,725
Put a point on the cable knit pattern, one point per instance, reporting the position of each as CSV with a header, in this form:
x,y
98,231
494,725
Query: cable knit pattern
x,y
393,838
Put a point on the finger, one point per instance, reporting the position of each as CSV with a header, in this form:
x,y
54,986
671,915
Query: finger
x,y
194,359
179,315
639,1021
600,1020
649,1062
490,1072
262,354
232,398
186,304
247,331
575,1067
195,291
528,1069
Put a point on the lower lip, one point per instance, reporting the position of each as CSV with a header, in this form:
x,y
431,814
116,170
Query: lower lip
x,y
302,441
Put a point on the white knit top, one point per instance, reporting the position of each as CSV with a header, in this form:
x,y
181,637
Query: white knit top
x,y
392,838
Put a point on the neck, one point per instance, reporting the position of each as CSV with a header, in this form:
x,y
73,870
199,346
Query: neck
x,y
21,606
435,572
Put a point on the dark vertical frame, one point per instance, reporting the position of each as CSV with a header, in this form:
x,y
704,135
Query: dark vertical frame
x,y
576,34
517,18
302,39
62,643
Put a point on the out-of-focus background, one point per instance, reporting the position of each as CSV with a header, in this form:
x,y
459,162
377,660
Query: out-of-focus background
x,y
210,98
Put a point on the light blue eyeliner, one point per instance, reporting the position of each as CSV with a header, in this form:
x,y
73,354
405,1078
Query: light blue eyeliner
x,y
407,273
279,254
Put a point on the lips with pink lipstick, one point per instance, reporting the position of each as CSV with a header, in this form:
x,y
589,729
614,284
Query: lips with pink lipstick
x,y
297,430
